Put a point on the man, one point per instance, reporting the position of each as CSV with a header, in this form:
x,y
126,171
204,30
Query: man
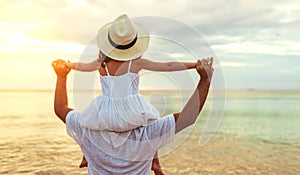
x,y
134,155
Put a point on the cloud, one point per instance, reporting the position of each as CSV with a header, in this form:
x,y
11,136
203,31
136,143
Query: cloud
x,y
176,55
222,21
292,70
232,64
276,47
266,27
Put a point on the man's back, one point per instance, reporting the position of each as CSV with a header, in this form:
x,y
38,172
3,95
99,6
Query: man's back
x,y
133,156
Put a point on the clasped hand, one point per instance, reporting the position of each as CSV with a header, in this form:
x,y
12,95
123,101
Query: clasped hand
x,y
205,69
60,67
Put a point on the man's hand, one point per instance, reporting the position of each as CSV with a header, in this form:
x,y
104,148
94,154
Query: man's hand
x,y
60,68
205,69
61,100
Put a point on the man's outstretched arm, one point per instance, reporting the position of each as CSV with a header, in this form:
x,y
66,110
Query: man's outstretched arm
x,y
193,107
61,99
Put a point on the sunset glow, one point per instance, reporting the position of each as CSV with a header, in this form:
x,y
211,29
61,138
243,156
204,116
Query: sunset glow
x,y
34,33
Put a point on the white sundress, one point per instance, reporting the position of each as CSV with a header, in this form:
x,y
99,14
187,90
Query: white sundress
x,y
120,107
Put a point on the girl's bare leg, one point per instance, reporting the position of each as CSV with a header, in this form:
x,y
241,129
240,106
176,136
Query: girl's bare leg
x,y
83,163
156,166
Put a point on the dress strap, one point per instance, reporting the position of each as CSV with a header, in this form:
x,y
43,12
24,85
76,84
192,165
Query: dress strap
x,y
106,69
129,65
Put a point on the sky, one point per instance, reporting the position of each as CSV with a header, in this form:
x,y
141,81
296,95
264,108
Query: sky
x,y
256,43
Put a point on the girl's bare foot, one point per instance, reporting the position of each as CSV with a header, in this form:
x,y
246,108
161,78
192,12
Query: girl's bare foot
x,y
156,167
83,163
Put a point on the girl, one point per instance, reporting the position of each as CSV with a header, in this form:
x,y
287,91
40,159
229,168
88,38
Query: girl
x,y
110,70
120,107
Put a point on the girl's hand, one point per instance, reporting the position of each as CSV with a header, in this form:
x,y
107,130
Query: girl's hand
x,y
70,65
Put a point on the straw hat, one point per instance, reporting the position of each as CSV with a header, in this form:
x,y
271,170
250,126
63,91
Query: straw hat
x,y
123,39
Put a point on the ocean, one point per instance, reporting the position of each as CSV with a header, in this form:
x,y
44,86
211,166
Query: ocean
x,y
259,134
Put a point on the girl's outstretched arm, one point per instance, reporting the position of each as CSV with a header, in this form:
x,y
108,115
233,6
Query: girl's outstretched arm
x,y
165,66
85,67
